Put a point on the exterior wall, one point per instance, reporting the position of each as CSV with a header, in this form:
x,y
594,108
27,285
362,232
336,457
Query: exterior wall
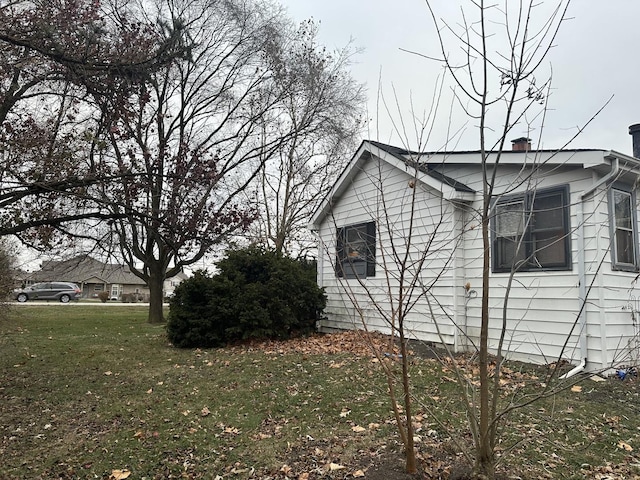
x,y
539,309
374,300
613,313
542,308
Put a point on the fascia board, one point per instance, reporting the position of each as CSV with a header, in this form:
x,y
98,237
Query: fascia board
x,y
448,192
584,158
630,162
445,190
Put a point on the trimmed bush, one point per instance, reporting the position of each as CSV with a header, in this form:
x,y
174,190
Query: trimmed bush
x,y
256,294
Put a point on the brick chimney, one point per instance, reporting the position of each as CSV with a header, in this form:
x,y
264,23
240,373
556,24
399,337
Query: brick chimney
x,y
523,144
634,131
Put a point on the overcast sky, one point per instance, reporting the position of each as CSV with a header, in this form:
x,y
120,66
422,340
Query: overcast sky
x,y
596,56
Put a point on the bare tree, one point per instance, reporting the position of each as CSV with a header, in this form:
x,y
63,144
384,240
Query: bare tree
x,y
319,111
527,47
409,245
55,57
193,140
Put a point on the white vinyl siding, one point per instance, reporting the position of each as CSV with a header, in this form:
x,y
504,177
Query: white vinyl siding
x,y
542,306
348,301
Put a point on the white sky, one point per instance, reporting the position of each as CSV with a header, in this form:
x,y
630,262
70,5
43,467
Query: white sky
x,y
597,55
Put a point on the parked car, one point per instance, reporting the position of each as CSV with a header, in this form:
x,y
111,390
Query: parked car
x,y
62,291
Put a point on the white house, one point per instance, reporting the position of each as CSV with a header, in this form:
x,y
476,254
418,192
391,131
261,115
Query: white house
x,y
565,220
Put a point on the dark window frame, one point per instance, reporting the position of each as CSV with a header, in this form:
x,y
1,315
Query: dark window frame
x,y
532,233
351,261
616,262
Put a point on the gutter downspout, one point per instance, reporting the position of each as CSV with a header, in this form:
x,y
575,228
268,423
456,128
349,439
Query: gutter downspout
x,y
582,274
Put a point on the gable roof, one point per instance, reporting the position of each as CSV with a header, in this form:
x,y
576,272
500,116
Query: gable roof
x,y
400,159
83,268
424,166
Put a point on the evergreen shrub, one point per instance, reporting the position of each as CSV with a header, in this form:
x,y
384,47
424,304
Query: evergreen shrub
x,y
256,294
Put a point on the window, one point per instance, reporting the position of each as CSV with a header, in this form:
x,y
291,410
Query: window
x,y
531,231
116,290
356,251
624,232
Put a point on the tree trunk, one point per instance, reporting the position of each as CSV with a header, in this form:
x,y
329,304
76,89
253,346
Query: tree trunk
x,y
156,314
411,465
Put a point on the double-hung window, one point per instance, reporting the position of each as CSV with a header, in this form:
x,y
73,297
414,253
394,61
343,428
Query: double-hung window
x,y
531,231
356,251
624,230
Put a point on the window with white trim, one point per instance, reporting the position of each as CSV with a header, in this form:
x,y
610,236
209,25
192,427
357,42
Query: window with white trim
x,y
531,231
624,229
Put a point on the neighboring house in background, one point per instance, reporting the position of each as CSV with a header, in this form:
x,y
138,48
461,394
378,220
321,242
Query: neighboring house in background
x,y
170,284
94,276
574,213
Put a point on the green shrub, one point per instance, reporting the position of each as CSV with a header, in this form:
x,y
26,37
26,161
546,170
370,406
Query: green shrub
x,y
256,294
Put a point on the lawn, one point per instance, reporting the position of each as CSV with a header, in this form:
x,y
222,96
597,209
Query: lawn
x,y
96,392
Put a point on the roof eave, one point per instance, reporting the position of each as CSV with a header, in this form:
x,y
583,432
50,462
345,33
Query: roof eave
x,y
629,160
460,197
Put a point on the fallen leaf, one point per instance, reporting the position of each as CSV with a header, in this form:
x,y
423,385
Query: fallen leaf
x,y
120,474
286,469
237,471
358,429
205,411
108,373
334,466
344,413
358,474
303,476
625,446
576,388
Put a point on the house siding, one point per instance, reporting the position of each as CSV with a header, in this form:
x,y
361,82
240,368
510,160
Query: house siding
x,y
349,303
613,322
543,306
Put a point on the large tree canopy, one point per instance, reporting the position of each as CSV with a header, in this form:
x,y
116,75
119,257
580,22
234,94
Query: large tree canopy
x,y
154,121
319,113
56,60
193,139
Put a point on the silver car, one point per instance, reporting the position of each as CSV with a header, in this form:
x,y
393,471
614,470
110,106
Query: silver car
x,y
61,291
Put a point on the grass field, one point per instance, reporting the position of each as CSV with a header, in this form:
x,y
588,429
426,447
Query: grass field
x,y
91,392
